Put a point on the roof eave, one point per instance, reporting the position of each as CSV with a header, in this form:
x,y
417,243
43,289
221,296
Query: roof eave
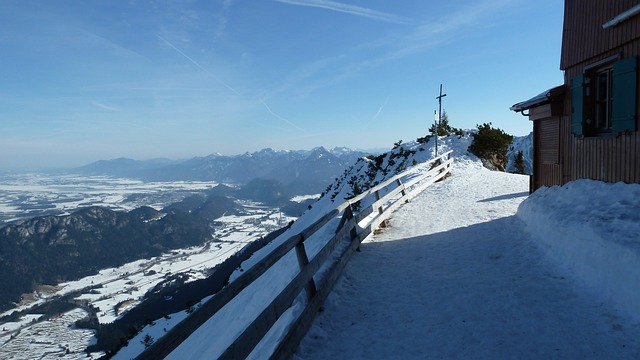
x,y
541,99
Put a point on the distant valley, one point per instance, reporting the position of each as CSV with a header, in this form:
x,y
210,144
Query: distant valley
x,y
49,249
124,184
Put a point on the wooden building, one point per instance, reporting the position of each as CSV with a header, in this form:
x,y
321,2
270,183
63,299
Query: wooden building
x,y
588,127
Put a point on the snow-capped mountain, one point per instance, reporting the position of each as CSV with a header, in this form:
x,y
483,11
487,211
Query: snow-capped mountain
x,y
524,144
303,171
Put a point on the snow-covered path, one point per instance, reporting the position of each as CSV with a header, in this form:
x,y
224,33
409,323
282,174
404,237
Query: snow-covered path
x,y
457,276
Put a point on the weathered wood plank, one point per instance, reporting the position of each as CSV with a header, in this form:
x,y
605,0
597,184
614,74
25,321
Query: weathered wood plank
x,y
306,233
636,159
364,213
346,215
303,261
165,345
446,165
251,336
300,327
394,178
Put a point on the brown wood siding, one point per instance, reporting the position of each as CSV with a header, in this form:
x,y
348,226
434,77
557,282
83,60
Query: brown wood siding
x,y
629,49
548,140
546,137
549,175
540,112
611,159
583,37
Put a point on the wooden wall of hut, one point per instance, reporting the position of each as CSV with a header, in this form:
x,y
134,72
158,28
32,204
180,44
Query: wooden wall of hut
x,y
610,157
584,39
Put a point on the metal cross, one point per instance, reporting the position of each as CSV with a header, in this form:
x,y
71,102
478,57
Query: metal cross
x,y
439,115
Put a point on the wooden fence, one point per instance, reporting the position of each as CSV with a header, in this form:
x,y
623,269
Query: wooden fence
x,y
353,227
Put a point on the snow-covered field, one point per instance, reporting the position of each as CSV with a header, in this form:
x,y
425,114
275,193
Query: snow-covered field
x,y
33,194
28,338
53,339
460,275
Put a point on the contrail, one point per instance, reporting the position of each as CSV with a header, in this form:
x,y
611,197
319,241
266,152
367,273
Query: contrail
x,y
103,106
349,9
280,117
380,109
225,84
198,65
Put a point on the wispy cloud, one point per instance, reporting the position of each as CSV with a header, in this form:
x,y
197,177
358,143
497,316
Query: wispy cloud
x,y
446,27
224,18
349,9
416,39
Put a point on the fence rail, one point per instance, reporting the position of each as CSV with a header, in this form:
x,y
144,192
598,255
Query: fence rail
x,y
350,232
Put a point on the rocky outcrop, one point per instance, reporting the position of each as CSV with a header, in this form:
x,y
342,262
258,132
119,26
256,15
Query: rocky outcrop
x,y
494,161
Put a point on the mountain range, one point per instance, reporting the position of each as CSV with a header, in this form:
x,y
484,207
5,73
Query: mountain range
x,y
301,171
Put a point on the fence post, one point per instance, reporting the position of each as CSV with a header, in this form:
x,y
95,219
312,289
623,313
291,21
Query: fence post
x,y
348,215
404,190
303,261
378,198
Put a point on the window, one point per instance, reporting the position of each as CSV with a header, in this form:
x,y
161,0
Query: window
x,y
597,88
604,99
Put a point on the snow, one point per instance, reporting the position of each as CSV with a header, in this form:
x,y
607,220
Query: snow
x,y
128,283
155,330
592,230
212,338
460,275
472,267
27,195
54,339
301,198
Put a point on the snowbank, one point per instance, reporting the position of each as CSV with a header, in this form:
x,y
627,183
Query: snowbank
x,y
592,230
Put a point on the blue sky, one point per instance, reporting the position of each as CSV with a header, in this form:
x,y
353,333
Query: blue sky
x,y
87,80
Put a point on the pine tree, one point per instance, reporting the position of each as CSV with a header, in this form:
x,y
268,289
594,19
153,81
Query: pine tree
x,y
444,129
519,163
147,341
491,145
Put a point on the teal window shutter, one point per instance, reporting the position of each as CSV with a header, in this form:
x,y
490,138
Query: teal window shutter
x,y
624,95
577,104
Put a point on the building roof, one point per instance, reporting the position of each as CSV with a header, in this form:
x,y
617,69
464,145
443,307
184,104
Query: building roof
x,y
541,99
